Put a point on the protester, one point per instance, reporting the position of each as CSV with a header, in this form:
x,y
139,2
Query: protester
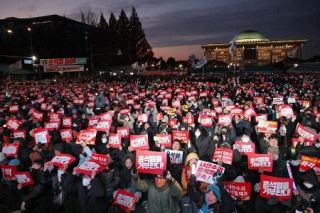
x,y
170,144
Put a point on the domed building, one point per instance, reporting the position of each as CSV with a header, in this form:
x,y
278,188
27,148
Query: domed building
x,y
251,47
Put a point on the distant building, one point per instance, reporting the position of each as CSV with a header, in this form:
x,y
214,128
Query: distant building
x,y
252,48
50,36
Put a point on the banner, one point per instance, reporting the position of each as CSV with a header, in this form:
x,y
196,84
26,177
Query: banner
x,y
181,135
205,120
37,115
267,126
277,101
115,141
66,135
62,160
149,162
223,155
63,68
249,112
20,134
143,118
164,139
107,116
236,111
205,171
11,149
275,186
41,136
285,111
309,136
94,120
67,122
138,142
54,117
224,120
176,157
88,167
13,124
244,148
237,190
14,108
124,200
261,162
262,117
100,159
63,61
87,136
130,102
8,171
103,126
307,163
24,178
124,132
188,120
52,126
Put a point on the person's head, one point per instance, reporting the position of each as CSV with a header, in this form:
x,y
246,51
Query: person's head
x,y
245,138
273,141
213,195
192,158
197,132
176,145
128,163
160,181
104,138
274,151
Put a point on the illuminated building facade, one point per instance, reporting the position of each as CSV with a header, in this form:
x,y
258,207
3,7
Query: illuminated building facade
x,y
252,48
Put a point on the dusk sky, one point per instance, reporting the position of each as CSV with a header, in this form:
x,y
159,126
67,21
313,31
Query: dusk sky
x,y
178,27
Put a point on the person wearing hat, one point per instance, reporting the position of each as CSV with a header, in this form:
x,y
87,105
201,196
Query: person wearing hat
x,y
212,200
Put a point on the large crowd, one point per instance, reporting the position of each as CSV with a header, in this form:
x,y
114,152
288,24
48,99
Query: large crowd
x,y
216,143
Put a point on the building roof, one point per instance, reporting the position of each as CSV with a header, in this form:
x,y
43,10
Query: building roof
x,y
250,36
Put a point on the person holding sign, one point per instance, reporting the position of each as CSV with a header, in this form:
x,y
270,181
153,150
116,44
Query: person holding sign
x,y
163,192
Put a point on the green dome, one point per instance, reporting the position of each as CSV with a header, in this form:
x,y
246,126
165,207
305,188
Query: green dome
x,y
250,36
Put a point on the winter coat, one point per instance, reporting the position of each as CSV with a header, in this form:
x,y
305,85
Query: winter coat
x,y
163,199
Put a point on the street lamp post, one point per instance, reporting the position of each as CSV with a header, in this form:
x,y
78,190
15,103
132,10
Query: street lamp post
x,y
30,37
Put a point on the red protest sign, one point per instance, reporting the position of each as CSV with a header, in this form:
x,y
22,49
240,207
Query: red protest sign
x,y
62,160
249,112
275,186
114,140
238,191
205,120
224,120
262,162
309,136
223,155
66,135
124,132
125,111
104,126
262,117
37,115
244,148
54,117
52,126
8,171
151,162
259,100
176,104
87,136
100,158
11,149
13,124
14,108
41,136
173,122
24,178
20,134
182,135
124,200
307,163
285,111
267,126
164,139
88,167
139,142
106,116
236,111
143,117
188,120
205,171
130,102
67,122
94,120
